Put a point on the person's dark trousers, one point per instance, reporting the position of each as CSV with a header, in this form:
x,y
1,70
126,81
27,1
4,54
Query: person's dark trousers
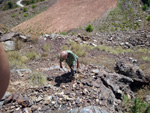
x,y
73,70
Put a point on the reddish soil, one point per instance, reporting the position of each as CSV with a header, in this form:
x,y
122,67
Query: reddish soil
x,y
65,15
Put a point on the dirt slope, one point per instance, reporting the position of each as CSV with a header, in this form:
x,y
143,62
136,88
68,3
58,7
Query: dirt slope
x,y
65,15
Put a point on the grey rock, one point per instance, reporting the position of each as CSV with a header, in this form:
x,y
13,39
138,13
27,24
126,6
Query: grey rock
x,y
39,99
89,109
9,45
24,38
147,98
1,32
53,35
5,96
130,70
7,36
21,72
93,44
96,71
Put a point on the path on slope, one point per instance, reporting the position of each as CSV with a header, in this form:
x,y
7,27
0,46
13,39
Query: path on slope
x,y
65,15
19,3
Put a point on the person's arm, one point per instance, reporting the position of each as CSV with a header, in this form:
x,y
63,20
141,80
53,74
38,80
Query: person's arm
x,y
4,72
60,63
77,64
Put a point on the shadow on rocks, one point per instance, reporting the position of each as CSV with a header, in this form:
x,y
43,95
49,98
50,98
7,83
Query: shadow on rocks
x,y
65,78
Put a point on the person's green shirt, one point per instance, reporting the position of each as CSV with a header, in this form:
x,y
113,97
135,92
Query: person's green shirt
x,y
71,59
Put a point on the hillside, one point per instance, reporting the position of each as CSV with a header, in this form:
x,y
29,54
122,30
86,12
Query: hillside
x,y
65,15
113,46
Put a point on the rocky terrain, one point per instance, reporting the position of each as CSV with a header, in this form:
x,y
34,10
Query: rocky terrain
x,y
39,85
114,59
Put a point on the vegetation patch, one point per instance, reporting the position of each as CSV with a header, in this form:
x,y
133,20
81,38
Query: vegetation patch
x,y
28,2
78,49
46,47
113,50
16,59
63,33
89,28
123,18
32,55
38,78
9,5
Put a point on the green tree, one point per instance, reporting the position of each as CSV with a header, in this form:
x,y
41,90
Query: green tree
x,y
10,5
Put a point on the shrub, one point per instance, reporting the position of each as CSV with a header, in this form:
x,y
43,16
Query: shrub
x,y
33,6
148,18
25,15
89,28
78,49
38,78
144,7
140,107
32,55
46,47
63,33
10,5
16,59
24,9
13,15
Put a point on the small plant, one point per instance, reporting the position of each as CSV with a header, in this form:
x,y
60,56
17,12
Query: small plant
x,y
46,47
32,55
10,5
78,49
72,33
140,106
16,59
24,9
13,15
33,6
148,18
25,15
63,33
144,7
89,28
38,78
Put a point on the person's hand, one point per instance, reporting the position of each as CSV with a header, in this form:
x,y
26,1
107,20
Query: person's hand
x,y
77,71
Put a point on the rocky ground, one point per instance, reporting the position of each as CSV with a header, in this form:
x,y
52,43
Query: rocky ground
x,y
39,85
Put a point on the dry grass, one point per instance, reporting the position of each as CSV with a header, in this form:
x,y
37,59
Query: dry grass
x,y
114,50
38,78
78,49
16,59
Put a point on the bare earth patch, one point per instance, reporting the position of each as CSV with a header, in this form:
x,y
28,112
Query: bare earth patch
x,y
65,15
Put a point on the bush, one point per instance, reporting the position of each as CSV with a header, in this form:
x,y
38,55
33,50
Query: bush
x,y
24,9
16,59
10,5
78,49
25,15
46,47
89,28
38,78
140,107
13,15
148,18
32,55
144,7
33,6
63,33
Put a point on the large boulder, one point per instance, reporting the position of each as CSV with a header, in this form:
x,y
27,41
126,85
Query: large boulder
x,y
130,70
9,45
7,36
